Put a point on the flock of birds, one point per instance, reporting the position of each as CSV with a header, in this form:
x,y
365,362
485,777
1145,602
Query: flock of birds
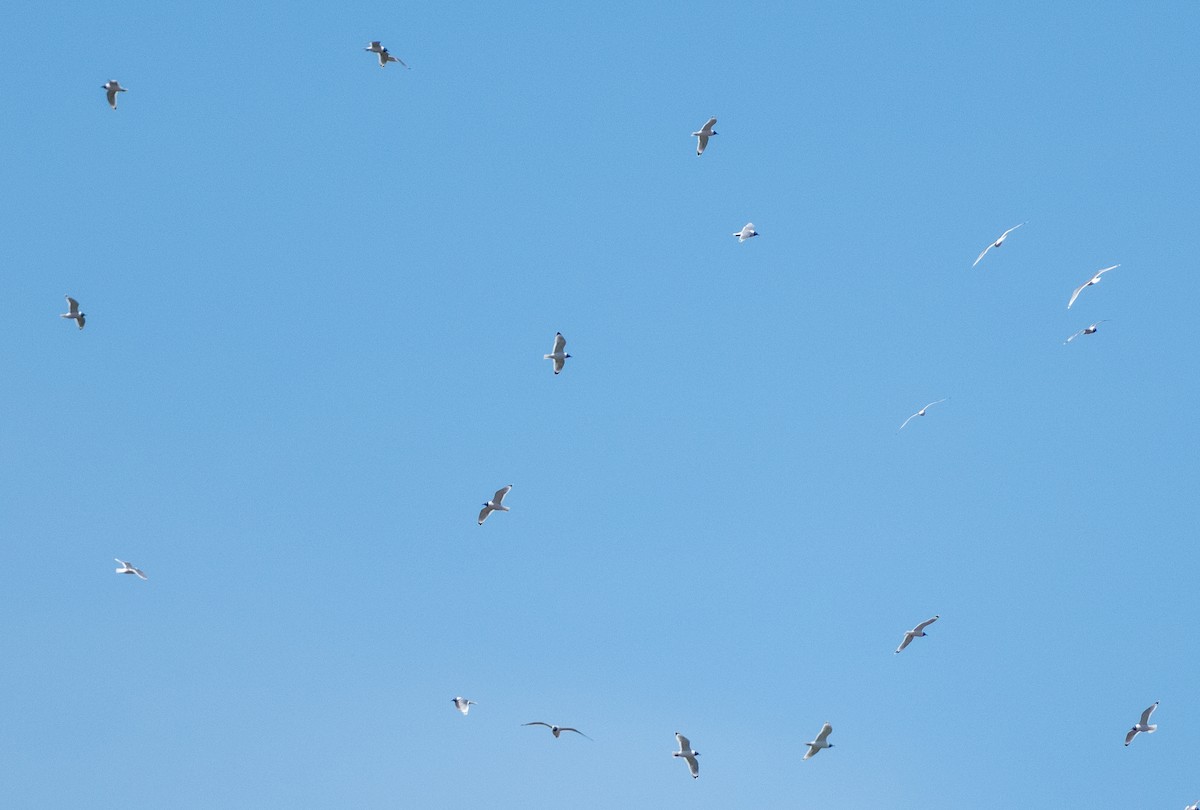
x,y
558,357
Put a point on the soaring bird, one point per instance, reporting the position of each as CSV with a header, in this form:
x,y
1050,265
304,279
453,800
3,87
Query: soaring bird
x,y
556,730
920,413
997,243
463,705
1142,725
1093,280
557,354
822,741
494,505
126,568
74,314
111,88
685,751
703,134
1088,330
916,632
747,232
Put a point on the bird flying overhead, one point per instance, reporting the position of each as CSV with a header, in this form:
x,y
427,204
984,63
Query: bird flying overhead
x,y
822,741
557,354
916,632
495,504
920,413
685,751
463,705
703,134
111,88
747,232
377,48
73,312
556,730
997,243
126,568
1143,725
1093,280
1087,330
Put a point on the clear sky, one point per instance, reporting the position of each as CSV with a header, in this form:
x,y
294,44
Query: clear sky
x,y
318,295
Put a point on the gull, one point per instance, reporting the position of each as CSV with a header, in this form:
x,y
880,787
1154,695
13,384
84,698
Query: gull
x,y
703,134
822,741
556,730
126,568
997,243
557,355
916,632
685,751
494,505
747,232
463,705
1090,330
384,57
920,413
111,88
74,314
1093,280
1143,724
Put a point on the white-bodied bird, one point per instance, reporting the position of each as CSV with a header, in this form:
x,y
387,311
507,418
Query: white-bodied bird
x,y
1143,725
126,568
73,312
822,741
111,88
463,705
747,232
685,751
383,54
920,413
556,730
703,134
997,243
1087,330
916,632
495,504
1093,280
558,354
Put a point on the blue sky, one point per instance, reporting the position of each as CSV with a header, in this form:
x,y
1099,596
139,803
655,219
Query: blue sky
x,y
318,294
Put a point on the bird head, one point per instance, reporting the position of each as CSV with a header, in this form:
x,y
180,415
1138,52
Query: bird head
x,y
566,356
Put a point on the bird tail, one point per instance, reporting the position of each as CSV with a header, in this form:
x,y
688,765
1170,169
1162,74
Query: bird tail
x,y
1152,729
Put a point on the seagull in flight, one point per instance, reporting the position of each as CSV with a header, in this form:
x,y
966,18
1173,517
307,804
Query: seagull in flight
x,y
384,56
557,354
556,730
463,705
685,751
111,88
126,568
74,314
1093,280
997,243
1142,725
703,134
747,232
916,632
822,741
495,505
1090,330
920,413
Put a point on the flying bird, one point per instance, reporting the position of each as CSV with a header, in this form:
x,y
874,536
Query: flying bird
x,y
126,568
495,505
747,232
1093,280
1142,725
111,88
920,413
916,632
384,56
1089,330
556,730
685,751
703,134
997,243
557,354
74,314
822,741
463,705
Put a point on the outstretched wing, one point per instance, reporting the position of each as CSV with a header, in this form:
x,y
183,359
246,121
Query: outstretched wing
x,y
1133,732
577,731
1004,235
709,124
925,624
812,751
931,404
825,732
1072,337
684,743
139,573
906,421
73,305
1105,270
498,498
701,144
907,640
558,364
1145,721
483,513
693,766
1078,290
560,343
981,255
538,723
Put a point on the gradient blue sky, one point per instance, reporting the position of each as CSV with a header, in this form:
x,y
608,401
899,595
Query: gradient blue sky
x,y
318,294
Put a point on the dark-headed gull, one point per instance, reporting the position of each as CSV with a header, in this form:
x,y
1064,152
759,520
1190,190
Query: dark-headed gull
x,y
916,632
1087,330
111,88
556,730
558,354
997,243
1142,725
703,134
822,741
685,751
494,505
463,705
126,568
747,232
1093,280
74,314
920,413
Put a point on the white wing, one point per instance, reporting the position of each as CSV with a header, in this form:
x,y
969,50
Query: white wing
x,y
1004,235
684,743
374,47
925,624
700,146
139,573
931,404
1145,721
907,640
1105,270
1133,732
708,125
906,421
483,514
558,364
812,750
1078,290
981,255
560,343
498,498
73,304
693,766
1072,337
824,735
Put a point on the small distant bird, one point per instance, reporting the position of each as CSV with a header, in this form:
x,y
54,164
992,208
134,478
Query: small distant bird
x,y
685,751
703,134
1142,725
997,243
495,505
747,232
111,88
822,741
74,314
916,632
1090,330
463,705
556,730
126,568
1093,280
557,354
920,413
384,56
